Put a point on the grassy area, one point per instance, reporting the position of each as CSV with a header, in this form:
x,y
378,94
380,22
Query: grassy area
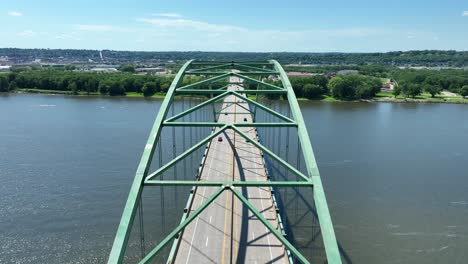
x,y
156,95
424,97
383,94
41,91
329,99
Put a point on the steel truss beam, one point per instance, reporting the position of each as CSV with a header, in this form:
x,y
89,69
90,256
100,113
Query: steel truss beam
x,y
215,72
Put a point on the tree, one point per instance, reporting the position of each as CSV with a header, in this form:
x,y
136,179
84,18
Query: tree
x,y
104,86
116,88
396,90
127,68
312,91
4,86
464,90
149,88
321,81
91,85
368,87
340,88
70,67
129,84
411,89
432,89
73,87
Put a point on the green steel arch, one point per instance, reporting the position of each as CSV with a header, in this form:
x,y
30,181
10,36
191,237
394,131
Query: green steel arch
x,y
214,71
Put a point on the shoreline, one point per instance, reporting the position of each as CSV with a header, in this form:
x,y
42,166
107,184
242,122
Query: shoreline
x,y
378,99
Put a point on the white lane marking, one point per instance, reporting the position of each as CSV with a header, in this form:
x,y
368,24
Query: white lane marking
x,y
263,209
253,236
201,201
206,243
211,218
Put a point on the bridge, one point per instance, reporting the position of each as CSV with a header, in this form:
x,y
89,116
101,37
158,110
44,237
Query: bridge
x,y
231,162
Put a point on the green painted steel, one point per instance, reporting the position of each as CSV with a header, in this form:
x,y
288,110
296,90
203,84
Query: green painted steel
x,y
232,183
326,226
215,124
206,91
180,227
214,72
126,222
273,230
186,153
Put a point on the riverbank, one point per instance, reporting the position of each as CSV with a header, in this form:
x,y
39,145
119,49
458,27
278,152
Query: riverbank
x,y
380,97
422,98
42,91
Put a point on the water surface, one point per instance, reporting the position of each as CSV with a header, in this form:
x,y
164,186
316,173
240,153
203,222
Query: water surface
x,y
395,175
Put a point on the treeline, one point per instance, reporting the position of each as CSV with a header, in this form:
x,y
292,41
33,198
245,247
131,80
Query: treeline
x,y
380,71
418,57
75,82
114,84
345,87
412,82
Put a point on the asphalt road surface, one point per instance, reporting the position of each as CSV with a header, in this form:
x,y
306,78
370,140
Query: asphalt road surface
x,y
227,232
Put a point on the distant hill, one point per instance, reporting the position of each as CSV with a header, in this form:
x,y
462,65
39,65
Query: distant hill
x,y
430,58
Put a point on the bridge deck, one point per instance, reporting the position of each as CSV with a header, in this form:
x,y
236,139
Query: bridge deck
x,y
226,232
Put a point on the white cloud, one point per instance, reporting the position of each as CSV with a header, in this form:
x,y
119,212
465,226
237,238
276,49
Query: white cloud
x,y
99,28
26,33
171,15
465,13
189,24
15,13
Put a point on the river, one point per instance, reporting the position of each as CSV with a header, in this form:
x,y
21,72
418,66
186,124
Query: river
x,y
395,176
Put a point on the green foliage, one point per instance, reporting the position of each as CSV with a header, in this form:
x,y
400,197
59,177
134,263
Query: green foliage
x,y
312,91
70,67
432,89
4,85
149,89
396,90
299,83
116,88
127,68
73,87
411,89
464,90
354,86
368,88
451,80
59,80
105,86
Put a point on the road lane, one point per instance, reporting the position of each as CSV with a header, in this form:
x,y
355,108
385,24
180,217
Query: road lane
x,y
226,232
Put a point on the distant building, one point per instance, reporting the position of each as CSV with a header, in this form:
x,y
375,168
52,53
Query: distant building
x,y
152,70
5,68
347,72
104,70
301,74
388,85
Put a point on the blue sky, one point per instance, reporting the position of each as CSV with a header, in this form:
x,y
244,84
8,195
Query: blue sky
x,y
305,25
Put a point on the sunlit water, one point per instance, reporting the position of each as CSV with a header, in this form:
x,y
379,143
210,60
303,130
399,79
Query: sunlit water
x,y
395,175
